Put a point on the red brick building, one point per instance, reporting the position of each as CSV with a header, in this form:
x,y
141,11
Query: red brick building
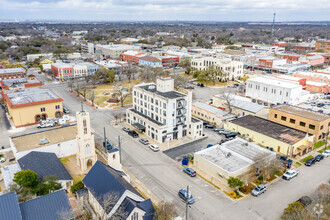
x,y
169,61
62,70
132,56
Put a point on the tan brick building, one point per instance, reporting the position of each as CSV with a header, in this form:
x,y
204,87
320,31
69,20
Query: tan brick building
x,y
323,45
301,119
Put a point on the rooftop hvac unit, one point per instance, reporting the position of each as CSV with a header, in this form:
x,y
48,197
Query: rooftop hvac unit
x,y
228,154
152,87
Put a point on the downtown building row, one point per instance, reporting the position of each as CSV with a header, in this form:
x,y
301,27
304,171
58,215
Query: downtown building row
x,y
72,70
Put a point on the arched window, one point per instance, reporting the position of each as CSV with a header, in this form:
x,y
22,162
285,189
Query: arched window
x,y
88,149
38,118
58,114
43,117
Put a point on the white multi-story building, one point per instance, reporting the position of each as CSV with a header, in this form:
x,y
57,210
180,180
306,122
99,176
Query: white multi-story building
x,y
162,113
234,69
273,91
88,48
115,50
269,48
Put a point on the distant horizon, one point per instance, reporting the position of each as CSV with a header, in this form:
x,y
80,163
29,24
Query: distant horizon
x,y
166,10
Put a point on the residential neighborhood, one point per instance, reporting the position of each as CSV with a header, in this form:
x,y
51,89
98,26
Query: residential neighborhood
x,y
164,119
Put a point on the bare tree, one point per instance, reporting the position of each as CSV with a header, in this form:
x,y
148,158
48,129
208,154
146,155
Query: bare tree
x,y
227,97
180,81
129,71
122,95
166,211
84,89
77,88
108,203
66,214
92,96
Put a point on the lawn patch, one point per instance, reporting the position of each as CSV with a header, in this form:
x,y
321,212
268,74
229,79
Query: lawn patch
x,y
298,164
319,144
306,158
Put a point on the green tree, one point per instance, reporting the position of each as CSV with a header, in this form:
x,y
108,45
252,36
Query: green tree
x,y
105,74
61,51
77,186
26,178
234,182
48,184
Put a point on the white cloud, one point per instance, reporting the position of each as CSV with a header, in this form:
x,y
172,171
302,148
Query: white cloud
x,y
224,10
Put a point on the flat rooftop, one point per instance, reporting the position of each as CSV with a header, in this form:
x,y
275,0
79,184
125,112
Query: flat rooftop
x,y
56,135
12,70
18,82
214,110
153,89
235,154
274,81
301,112
30,95
270,129
119,47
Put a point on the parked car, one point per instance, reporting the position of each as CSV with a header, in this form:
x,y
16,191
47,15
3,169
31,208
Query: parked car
x,y
224,132
290,174
320,111
287,161
320,105
66,110
310,162
45,125
319,157
259,190
126,129
189,87
183,195
144,141
218,129
189,171
231,135
209,126
133,133
202,85
154,147
326,153
2,159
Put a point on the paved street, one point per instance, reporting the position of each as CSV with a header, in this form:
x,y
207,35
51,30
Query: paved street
x,y
164,176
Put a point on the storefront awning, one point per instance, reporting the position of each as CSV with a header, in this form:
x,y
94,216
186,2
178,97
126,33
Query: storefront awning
x,y
139,126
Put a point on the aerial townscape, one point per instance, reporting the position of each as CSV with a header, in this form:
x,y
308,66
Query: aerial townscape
x,y
137,116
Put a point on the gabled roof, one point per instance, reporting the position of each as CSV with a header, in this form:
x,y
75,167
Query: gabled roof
x,y
44,164
147,206
9,208
54,206
102,180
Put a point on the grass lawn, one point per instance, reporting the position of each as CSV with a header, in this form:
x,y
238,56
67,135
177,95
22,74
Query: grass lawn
x,y
319,144
321,151
306,158
127,101
77,178
298,164
99,100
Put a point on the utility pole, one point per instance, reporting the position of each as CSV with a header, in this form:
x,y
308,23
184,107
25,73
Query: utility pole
x,y
187,203
273,26
119,147
105,140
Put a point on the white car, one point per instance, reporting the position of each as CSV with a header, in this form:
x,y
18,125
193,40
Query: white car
x,y
326,153
290,174
2,159
154,147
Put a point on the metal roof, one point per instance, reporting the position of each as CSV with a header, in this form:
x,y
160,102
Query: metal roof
x,y
44,164
54,206
9,208
102,180
214,110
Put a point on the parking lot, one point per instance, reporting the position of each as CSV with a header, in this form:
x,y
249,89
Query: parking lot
x,y
181,151
315,107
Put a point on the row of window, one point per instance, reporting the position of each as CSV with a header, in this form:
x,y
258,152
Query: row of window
x,y
265,89
149,99
43,109
301,123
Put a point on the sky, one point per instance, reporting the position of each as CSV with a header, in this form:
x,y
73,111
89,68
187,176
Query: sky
x,y
166,10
